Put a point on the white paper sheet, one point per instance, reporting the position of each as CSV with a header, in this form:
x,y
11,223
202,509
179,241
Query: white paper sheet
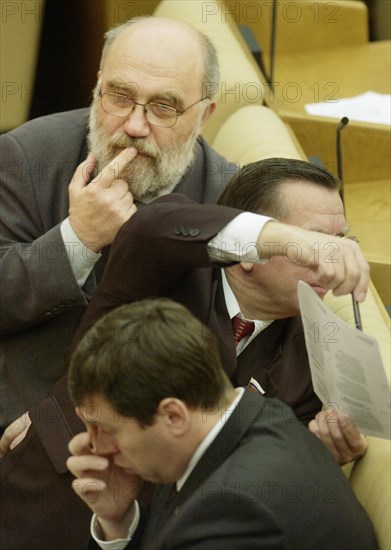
x,y
367,107
346,366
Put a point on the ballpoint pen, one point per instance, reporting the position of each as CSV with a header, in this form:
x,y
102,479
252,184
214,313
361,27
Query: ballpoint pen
x,y
356,309
357,316
342,123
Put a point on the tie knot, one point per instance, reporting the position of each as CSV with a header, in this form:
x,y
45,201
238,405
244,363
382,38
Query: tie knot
x,y
241,328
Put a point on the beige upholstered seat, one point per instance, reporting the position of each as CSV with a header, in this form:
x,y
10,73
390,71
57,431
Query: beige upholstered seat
x,y
20,32
255,132
241,81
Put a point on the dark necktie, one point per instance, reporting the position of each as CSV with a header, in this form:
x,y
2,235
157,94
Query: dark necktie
x,y
241,328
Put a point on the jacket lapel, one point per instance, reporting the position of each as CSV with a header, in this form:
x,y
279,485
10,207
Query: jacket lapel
x,y
249,408
220,323
226,441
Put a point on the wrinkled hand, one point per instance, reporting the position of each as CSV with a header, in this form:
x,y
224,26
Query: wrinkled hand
x,y
107,489
98,208
338,263
340,435
14,434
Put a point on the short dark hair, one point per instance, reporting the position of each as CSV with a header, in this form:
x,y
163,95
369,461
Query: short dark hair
x,y
140,353
256,187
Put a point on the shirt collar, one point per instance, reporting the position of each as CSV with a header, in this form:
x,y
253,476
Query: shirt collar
x,y
234,309
147,199
209,438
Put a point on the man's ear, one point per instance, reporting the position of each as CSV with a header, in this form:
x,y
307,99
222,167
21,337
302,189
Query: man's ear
x,y
174,414
208,112
80,414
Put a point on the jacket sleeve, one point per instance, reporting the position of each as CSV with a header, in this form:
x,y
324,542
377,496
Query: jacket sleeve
x,y
154,251
37,281
224,523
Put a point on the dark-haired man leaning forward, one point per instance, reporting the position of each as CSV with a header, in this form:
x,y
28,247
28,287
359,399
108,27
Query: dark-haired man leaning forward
x,y
232,470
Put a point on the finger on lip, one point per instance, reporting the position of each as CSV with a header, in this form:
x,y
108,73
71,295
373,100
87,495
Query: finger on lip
x,y
122,159
132,150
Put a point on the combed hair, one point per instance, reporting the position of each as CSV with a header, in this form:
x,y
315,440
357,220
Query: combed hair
x,y
256,187
141,353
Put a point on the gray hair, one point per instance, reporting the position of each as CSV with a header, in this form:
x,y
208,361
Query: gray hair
x,y
211,74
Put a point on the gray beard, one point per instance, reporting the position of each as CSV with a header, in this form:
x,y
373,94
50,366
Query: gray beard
x,y
147,176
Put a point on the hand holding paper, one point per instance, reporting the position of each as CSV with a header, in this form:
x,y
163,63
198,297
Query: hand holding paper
x,y
346,366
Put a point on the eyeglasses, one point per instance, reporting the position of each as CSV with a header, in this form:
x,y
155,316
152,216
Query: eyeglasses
x,y
158,114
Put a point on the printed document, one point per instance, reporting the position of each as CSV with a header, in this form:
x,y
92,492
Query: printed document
x,y
346,366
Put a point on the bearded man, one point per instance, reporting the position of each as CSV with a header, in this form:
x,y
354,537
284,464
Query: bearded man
x,y
70,180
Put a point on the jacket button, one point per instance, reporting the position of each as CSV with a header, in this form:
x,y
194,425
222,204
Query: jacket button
x,y
194,232
179,230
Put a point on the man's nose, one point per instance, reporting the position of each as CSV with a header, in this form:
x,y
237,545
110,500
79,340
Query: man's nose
x,y
136,123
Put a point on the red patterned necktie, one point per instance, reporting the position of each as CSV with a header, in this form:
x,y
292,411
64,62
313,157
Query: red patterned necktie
x,y
241,328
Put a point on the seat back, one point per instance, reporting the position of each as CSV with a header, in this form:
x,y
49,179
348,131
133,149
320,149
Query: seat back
x,y
20,33
241,81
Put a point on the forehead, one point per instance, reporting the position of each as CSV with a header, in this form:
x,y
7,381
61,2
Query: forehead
x,y
96,409
156,58
313,207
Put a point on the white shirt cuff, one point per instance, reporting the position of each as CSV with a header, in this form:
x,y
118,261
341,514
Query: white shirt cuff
x,y
237,241
117,544
81,258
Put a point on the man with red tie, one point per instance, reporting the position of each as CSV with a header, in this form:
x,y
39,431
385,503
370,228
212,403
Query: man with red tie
x,y
209,259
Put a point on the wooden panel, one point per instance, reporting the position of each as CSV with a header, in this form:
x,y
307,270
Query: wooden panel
x,y
303,25
368,208
365,147
330,75
381,277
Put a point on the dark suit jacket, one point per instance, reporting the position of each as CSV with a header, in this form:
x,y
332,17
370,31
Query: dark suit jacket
x,y
40,300
264,483
40,308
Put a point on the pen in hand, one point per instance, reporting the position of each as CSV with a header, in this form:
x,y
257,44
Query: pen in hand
x,y
357,316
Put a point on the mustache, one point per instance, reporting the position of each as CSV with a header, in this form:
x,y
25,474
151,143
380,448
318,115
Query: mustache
x,y
144,147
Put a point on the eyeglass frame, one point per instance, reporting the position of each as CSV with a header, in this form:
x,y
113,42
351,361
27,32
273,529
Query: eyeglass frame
x,y
174,109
